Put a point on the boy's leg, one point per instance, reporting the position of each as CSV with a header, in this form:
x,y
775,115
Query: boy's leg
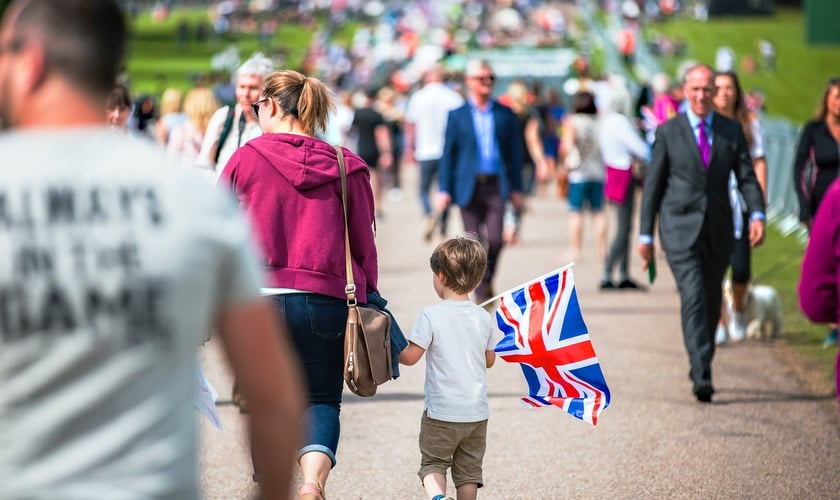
x,y
435,484
437,441
467,473
467,491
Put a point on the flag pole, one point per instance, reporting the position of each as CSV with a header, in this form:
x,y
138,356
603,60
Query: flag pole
x,y
561,268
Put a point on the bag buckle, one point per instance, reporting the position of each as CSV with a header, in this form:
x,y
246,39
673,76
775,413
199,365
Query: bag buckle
x,y
350,291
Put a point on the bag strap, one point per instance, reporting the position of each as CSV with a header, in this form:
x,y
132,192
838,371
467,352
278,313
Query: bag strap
x,y
350,289
226,127
808,178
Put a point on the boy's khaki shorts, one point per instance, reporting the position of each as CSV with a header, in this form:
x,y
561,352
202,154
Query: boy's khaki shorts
x,y
459,445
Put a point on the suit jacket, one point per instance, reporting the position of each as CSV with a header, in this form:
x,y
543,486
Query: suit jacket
x,y
461,157
685,195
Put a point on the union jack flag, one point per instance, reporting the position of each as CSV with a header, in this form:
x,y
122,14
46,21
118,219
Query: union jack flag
x,y
544,332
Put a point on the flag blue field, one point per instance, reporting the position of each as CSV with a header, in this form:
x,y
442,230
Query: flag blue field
x,y
545,333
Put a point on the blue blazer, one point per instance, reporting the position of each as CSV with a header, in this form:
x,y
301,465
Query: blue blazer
x,y
461,157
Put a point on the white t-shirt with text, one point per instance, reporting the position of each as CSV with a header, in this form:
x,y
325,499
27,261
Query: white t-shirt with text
x,y
113,264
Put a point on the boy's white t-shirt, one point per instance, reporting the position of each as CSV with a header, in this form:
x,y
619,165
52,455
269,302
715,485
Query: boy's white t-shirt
x,y
455,334
113,265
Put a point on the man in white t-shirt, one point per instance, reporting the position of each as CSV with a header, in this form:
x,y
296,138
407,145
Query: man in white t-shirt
x,y
113,266
231,127
425,129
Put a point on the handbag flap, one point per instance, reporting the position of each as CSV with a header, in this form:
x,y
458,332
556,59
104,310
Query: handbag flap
x,y
376,326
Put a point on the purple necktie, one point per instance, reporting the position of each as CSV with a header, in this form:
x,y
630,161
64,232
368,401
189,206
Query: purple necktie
x,y
703,144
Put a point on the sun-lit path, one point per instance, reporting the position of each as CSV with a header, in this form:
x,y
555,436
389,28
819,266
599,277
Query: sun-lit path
x,y
765,435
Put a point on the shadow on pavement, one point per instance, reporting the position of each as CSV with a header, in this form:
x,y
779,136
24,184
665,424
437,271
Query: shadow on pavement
x,y
725,396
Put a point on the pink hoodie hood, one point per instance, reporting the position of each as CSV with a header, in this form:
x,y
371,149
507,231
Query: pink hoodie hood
x,y
290,186
305,162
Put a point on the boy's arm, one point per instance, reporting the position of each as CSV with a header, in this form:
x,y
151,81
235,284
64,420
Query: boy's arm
x,y
411,354
490,357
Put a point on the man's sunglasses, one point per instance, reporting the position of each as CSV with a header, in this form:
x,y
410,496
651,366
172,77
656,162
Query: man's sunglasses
x,y
12,46
487,80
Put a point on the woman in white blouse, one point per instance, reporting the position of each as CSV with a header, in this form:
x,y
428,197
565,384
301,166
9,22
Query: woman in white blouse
x,y
620,144
729,102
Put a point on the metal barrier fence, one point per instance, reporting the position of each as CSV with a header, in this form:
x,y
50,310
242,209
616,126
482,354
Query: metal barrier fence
x,y
780,139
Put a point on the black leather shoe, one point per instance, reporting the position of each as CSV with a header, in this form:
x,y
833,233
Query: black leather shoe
x,y
607,285
704,393
629,284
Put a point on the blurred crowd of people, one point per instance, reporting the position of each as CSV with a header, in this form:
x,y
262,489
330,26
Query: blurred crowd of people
x,y
396,105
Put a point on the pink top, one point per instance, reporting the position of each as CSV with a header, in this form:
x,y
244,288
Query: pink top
x,y
290,187
819,282
665,107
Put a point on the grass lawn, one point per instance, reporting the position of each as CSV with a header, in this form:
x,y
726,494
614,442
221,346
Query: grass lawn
x,y
777,263
794,89
155,61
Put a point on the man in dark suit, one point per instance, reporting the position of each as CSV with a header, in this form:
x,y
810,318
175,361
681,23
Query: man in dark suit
x,y
686,185
481,167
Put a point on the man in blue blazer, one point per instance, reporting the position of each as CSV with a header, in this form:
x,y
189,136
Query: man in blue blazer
x,y
481,167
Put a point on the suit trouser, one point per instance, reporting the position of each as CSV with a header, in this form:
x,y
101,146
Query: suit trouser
x,y
699,274
486,211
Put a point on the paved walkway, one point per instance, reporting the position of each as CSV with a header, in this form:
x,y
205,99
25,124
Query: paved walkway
x,y
765,436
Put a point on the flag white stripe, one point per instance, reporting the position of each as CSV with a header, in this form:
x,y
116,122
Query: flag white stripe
x,y
559,270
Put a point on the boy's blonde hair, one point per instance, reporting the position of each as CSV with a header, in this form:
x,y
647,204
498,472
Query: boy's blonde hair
x,y
462,261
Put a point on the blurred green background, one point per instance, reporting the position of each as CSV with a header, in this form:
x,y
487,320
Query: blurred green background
x,y
794,88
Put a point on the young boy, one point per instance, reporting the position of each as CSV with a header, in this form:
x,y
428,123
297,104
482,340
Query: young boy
x,y
458,337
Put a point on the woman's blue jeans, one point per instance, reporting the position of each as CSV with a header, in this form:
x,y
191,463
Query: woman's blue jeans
x,y
316,324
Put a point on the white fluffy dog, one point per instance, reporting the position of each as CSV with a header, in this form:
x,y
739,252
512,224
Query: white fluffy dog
x,y
762,311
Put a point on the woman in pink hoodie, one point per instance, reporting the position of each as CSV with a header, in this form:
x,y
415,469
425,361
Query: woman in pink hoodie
x,y
819,281
288,181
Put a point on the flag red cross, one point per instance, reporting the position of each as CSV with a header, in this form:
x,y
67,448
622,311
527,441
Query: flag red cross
x,y
540,356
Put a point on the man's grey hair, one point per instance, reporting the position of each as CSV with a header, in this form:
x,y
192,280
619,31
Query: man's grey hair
x,y
694,67
476,65
258,65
